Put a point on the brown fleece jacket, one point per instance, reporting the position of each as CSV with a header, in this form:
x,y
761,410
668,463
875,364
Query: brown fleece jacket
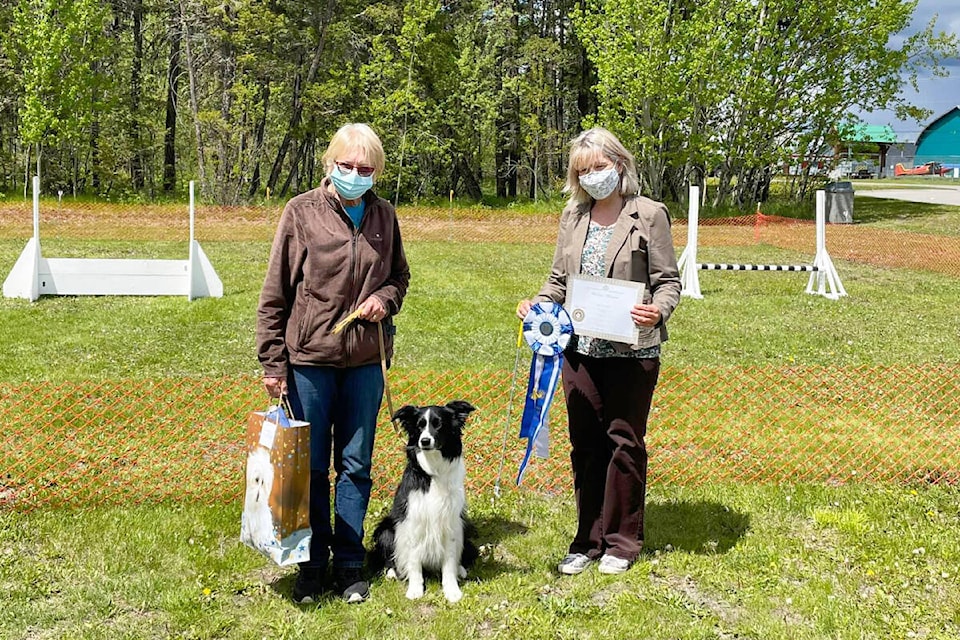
x,y
321,268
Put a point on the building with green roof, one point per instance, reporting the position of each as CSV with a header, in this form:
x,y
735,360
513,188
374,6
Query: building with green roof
x,y
882,135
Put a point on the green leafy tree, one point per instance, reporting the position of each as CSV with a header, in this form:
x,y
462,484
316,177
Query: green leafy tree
x,y
743,86
56,43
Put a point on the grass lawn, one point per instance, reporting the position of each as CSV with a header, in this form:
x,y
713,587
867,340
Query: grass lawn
x,y
459,315
723,560
768,562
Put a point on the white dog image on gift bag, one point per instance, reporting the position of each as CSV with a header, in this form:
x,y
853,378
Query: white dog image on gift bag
x,y
276,505
256,523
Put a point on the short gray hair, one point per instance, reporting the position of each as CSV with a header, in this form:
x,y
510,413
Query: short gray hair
x,y
352,136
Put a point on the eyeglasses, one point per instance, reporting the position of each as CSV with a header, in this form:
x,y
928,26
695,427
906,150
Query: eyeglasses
x,y
599,165
346,167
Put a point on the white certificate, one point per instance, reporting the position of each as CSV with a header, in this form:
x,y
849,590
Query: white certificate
x,y
600,307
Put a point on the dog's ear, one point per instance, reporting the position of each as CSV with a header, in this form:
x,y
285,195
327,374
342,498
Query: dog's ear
x,y
406,414
462,409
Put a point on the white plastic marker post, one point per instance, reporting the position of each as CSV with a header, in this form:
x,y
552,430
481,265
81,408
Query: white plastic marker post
x,y
826,276
689,270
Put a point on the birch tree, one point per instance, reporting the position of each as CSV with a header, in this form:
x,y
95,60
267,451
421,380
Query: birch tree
x,y
55,43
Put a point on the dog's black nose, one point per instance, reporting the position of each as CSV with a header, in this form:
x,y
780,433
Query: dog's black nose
x,y
426,443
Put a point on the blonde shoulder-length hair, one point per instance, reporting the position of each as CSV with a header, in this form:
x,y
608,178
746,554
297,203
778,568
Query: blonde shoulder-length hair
x,y
354,136
584,148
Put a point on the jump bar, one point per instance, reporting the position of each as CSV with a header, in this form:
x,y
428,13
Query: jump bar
x,y
710,266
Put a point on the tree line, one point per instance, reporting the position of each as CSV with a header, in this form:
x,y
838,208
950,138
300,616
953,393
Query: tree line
x,y
121,98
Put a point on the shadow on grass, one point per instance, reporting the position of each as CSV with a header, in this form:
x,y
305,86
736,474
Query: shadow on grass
x,y
490,530
494,528
694,527
283,586
867,210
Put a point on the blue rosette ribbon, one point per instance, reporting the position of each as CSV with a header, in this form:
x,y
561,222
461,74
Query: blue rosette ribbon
x,y
547,328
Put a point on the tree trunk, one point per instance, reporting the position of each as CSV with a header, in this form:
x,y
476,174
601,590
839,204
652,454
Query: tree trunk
x,y
508,112
95,136
470,182
173,90
297,110
136,66
258,144
194,107
586,98
228,67
294,175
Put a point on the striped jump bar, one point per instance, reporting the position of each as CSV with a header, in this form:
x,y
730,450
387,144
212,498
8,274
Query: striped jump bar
x,y
710,266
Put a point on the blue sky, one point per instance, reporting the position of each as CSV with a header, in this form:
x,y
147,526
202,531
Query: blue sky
x,y
937,94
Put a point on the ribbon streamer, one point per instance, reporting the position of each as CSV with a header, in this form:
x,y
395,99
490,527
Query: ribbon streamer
x,y
547,328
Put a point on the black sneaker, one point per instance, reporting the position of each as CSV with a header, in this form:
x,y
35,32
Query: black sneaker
x,y
308,586
351,585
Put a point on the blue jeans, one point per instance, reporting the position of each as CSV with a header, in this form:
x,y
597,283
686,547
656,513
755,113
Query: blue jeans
x,y
341,406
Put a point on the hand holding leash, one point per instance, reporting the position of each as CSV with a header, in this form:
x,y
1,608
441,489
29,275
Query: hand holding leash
x,y
372,309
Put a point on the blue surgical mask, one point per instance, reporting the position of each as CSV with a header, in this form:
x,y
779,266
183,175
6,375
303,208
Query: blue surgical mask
x,y
350,185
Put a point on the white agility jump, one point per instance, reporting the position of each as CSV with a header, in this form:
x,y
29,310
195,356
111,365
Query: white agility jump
x,y
824,279
33,275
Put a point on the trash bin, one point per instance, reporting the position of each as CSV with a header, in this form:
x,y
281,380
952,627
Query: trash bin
x,y
839,202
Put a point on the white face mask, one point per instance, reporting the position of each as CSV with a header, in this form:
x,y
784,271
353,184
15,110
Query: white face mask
x,y
600,184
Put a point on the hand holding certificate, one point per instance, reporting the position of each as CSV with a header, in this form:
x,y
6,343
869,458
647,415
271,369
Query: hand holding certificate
x,y
600,307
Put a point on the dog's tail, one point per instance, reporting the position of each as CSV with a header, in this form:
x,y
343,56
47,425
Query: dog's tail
x,y
380,557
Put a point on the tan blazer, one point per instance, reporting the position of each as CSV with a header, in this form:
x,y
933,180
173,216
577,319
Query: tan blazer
x,y
640,249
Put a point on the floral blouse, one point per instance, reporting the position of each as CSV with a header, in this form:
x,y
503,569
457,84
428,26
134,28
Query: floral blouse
x,y
592,263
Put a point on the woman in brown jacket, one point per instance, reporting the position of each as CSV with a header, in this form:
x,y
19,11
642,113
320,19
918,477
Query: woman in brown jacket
x,y
337,251
608,230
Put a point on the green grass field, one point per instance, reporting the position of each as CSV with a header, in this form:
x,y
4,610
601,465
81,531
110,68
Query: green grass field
x,y
728,561
759,560
459,315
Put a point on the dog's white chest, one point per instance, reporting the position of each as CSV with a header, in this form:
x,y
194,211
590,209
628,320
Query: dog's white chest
x,y
432,529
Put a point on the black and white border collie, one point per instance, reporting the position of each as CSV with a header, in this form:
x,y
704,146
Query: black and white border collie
x,y
427,528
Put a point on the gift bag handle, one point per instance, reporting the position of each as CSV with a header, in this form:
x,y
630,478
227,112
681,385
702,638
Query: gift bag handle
x,y
284,401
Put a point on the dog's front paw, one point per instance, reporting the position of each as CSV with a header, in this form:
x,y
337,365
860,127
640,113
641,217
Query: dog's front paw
x,y
391,574
452,593
462,572
414,592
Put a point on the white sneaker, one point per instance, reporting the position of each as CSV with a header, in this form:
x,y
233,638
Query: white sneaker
x,y
573,564
612,565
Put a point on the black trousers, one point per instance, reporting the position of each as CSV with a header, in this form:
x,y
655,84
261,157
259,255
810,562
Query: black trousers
x,y
608,402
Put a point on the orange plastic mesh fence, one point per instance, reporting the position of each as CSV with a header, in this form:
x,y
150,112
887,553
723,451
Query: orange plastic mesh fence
x,y
119,441
126,441
170,223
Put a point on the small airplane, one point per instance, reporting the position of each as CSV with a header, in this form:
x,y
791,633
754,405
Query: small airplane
x,y
928,169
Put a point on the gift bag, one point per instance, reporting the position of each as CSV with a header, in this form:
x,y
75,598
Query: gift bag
x,y
276,505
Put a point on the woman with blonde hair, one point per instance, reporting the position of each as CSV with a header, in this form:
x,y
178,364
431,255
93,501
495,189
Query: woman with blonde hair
x,y
608,230
337,252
